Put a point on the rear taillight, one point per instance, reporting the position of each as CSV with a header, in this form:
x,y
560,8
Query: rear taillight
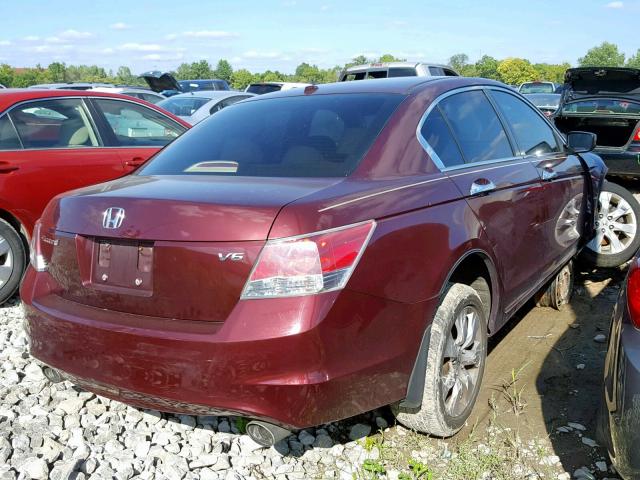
x,y
633,293
636,136
35,251
309,264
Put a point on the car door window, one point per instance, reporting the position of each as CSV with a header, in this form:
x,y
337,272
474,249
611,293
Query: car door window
x,y
227,102
8,137
533,135
55,123
437,134
476,127
135,125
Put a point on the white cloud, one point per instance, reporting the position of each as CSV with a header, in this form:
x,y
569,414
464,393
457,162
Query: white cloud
x,y
324,8
142,47
210,34
163,57
4,43
255,54
107,51
616,4
119,26
171,36
31,38
74,35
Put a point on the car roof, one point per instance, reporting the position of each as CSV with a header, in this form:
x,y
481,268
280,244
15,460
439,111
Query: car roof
x,y
211,94
398,85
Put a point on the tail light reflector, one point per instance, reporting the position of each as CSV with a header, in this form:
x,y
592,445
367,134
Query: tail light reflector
x,y
633,293
35,251
308,264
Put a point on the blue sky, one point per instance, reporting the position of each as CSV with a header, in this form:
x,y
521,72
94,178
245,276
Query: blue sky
x,y
279,34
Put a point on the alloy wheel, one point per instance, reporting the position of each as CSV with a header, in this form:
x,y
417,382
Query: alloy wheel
x,y
6,261
616,224
461,363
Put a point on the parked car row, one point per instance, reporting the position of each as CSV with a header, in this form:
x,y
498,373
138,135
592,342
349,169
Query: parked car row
x,y
297,248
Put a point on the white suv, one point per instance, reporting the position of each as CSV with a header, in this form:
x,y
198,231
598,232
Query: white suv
x,y
395,69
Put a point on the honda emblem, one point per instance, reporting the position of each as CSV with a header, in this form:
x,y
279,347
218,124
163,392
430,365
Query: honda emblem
x,y
113,217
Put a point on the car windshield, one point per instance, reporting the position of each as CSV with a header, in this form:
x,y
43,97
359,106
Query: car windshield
x,y
603,106
262,88
183,106
537,87
300,136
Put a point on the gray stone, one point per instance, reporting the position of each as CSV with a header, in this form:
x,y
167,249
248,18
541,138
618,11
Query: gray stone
x,y
359,430
35,468
323,441
306,438
589,443
381,423
600,338
577,426
602,466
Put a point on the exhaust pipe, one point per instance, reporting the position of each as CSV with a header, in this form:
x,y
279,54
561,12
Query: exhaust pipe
x,y
266,434
53,375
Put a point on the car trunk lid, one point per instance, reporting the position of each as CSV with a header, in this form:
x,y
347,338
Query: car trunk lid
x,y
170,247
602,81
160,81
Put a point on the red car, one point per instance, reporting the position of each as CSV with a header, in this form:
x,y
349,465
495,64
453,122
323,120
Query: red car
x,y
52,141
305,256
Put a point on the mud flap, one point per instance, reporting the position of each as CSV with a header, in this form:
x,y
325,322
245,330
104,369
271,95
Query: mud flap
x,y
415,389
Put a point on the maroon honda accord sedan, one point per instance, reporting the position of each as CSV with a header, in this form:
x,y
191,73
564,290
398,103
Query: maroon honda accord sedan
x,y
308,255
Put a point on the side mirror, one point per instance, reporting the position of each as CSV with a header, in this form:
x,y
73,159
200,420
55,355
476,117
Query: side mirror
x,y
581,142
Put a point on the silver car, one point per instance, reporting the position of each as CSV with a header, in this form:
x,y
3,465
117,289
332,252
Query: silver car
x,y
395,69
193,107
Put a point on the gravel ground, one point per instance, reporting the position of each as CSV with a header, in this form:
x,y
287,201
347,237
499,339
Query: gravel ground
x,y
60,431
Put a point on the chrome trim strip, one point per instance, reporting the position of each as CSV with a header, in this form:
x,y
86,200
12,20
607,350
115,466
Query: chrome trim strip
x,y
389,190
489,168
485,162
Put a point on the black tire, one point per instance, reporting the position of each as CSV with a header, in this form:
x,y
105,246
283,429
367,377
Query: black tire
x,y
558,294
606,258
14,258
432,416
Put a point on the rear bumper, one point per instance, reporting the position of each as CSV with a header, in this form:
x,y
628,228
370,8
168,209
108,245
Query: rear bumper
x,y
621,163
297,362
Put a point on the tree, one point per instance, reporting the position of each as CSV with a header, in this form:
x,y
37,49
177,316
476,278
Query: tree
x,y
604,55
241,78
57,72
6,75
359,60
201,69
183,72
459,61
634,60
387,57
515,71
487,67
125,76
551,72
309,74
224,70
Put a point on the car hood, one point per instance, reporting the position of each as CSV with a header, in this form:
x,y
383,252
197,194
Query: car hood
x,y
608,82
160,81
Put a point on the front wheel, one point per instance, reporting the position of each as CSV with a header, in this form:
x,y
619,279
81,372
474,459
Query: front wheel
x,y
12,261
456,357
616,226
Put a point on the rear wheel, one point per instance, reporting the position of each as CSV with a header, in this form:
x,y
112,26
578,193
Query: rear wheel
x,y
616,226
12,261
456,357
558,293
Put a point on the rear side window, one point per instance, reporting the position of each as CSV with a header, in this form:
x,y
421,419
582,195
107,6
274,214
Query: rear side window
x,y
476,126
436,71
8,137
134,125
183,106
261,89
439,137
301,136
402,72
533,135
377,74
59,123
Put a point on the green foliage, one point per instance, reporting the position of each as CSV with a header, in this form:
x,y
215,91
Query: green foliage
x,y
459,61
241,424
417,471
515,71
551,72
6,75
57,72
604,55
241,78
224,71
487,67
634,60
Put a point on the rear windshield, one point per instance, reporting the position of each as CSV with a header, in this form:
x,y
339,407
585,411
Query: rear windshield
x,y
545,100
603,106
301,136
183,106
261,89
537,88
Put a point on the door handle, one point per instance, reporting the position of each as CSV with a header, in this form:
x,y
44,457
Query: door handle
x,y
135,162
481,185
548,174
8,168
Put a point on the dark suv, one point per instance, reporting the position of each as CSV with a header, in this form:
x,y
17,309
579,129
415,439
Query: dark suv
x,y
305,256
